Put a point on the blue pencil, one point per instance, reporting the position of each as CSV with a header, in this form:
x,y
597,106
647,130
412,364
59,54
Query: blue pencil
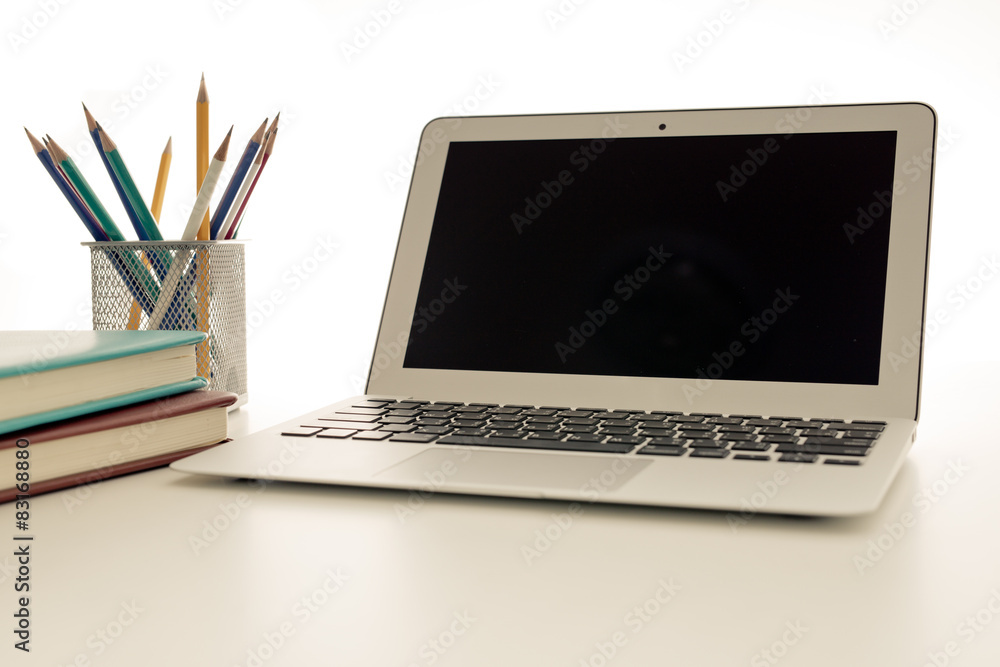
x,y
93,226
90,222
233,188
133,216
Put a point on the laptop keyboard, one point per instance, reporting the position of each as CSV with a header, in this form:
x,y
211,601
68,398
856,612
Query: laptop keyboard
x,y
656,433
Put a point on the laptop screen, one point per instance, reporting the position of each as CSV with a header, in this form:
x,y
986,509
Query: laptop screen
x,y
744,257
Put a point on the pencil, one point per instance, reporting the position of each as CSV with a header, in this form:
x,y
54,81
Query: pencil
x,y
259,163
75,177
130,273
161,180
201,150
94,134
79,206
241,196
238,175
192,230
169,294
147,229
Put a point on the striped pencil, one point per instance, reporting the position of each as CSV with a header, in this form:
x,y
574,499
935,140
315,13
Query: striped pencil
x,y
229,196
259,163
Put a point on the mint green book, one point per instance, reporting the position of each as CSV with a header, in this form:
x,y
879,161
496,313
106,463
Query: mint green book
x,y
51,375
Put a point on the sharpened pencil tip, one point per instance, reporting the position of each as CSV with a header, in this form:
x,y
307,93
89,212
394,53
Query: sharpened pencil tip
x,y
224,146
202,91
169,150
91,123
259,134
35,143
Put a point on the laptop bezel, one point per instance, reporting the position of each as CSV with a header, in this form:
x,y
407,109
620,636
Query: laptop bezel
x,y
896,394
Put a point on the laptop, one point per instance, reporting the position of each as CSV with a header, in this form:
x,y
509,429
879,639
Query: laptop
x,y
716,309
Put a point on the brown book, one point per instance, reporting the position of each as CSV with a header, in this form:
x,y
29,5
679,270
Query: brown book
x,y
111,443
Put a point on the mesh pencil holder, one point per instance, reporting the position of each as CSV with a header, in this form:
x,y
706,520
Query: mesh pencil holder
x,y
181,285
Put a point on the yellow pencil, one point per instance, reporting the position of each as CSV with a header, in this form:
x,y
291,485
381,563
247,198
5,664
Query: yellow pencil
x,y
157,206
161,180
204,232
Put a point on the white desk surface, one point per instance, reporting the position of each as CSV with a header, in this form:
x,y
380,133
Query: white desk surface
x,y
309,575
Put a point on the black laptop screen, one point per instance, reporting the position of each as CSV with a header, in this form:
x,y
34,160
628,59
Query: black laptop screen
x,y
749,257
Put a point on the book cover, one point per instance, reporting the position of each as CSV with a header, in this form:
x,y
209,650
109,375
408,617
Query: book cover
x,y
46,375
113,442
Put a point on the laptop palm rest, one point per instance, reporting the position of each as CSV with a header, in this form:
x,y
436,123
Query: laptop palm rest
x,y
528,470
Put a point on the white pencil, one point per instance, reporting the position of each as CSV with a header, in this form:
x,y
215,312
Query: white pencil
x,y
207,188
168,291
242,194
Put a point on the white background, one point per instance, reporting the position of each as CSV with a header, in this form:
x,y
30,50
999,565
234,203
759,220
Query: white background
x,y
353,107
338,177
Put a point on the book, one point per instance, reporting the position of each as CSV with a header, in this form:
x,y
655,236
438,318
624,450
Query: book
x,y
50,375
116,442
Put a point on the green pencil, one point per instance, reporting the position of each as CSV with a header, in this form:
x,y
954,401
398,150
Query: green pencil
x,y
63,159
149,231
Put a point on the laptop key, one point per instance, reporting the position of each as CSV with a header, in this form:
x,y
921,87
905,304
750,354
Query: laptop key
x,y
396,428
413,437
798,458
752,457
843,462
709,453
751,446
566,445
865,435
545,435
585,437
371,435
669,442
348,417
626,440
396,420
302,431
662,450
837,450
435,430
355,426
707,444
335,433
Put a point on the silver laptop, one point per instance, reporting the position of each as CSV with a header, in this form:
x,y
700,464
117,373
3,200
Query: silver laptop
x,y
714,308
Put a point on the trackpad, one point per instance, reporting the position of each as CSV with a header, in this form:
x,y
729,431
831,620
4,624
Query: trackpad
x,y
523,470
